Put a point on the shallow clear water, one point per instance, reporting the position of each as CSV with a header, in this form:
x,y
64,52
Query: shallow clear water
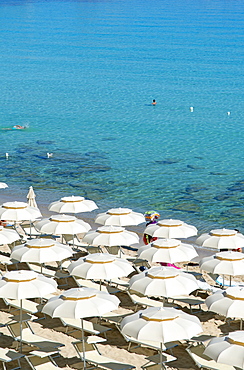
x,y
82,75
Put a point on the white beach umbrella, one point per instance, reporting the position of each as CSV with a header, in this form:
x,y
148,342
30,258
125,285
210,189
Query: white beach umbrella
x,y
25,284
8,236
229,303
62,224
72,204
18,211
31,197
41,251
120,217
101,266
224,263
167,250
111,236
171,229
3,185
221,239
229,263
78,303
161,325
227,350
163,282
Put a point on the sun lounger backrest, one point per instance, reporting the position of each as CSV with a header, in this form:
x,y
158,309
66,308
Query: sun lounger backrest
x,y
41,363
79,348
15,329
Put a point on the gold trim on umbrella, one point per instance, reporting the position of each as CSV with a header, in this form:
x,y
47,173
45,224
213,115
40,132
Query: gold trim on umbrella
x,y
102,262
76,298
14,207
18,281
232,341
158,320
224,235
228,259
175,225
161,277
72,201
118,214
110,232
39,247
234,297
165,247
53,219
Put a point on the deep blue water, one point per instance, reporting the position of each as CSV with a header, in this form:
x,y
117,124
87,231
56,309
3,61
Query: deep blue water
x,y
82,76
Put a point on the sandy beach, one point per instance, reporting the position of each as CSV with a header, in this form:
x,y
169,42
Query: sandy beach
x,y
115,346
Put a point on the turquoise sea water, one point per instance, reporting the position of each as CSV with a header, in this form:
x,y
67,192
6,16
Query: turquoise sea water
x,y
82,76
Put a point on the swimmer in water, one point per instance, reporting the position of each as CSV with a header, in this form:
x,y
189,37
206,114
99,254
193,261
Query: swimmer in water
x,y
18,127
154,102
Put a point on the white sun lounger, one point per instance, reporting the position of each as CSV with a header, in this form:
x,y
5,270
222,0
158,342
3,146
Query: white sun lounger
x,y
27,305
114,317
154,361
189,300
7,355
144,301
42,361
94,357
204,362
90,284
88,326
30,338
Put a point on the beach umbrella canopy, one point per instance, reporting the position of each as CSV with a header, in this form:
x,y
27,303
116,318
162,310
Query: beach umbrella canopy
x,y
227,350
111,236
167,250
41,251
62,224
102,266
221,239
161,325
120,217
3,185
18,211
171,229
225,263
31,197
72,204
78,303
229,303
163,282
25,284
8,236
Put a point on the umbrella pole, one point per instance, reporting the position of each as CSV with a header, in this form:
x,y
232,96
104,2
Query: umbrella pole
x,y
21,326
241,325
161,356
100,285
83,344
230,280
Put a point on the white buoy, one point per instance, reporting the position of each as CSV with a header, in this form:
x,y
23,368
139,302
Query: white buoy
x,y
191,109
6,155
49,155
228,113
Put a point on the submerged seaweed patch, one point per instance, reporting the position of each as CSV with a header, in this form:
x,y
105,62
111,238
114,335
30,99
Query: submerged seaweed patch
x,y
168,161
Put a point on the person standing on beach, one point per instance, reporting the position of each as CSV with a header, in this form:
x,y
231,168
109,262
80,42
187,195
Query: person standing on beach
x,y
151,217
